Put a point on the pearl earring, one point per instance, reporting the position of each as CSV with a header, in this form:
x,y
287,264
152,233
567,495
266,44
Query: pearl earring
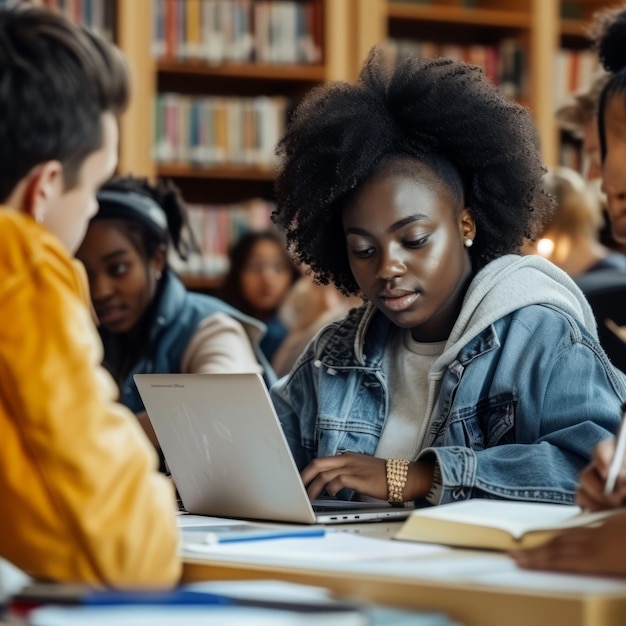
x,y
468,243
157,275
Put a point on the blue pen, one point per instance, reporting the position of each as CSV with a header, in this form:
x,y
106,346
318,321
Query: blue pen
x,y
235,534
174,597
184,597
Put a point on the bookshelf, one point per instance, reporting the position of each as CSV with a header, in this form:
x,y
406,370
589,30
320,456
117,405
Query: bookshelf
x,y
97,14
528,26
579,66
192,83
551,35
151,76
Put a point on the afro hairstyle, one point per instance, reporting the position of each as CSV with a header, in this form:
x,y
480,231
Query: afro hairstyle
x,y
421,110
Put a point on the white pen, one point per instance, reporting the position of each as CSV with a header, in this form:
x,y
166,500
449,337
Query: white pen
x,y
618,456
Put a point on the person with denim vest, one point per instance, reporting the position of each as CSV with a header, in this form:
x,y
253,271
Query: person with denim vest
x,y
470,371
149,322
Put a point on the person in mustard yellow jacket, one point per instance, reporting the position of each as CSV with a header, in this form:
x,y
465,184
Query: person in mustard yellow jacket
x,y
81,498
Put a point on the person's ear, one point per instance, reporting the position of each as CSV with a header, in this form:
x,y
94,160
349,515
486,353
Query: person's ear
x,y
44,185
467,226
159,261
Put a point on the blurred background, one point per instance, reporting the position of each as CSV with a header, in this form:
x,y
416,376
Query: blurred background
x,y
215,80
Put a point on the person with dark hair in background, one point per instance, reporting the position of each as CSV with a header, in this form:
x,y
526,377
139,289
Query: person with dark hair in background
x,y
307,308
149,322
470,371
600,549
259,277
570,240
81,498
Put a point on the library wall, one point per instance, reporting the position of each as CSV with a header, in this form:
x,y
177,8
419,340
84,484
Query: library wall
x,y
219,80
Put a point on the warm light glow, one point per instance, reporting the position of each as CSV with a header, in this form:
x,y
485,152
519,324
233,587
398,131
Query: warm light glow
x,y
545,247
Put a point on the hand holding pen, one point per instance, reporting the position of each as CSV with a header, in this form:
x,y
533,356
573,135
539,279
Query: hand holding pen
x,y
591,549
603,482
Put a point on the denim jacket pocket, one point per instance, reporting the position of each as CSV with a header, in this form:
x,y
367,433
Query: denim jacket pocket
x,y
489,423
334,437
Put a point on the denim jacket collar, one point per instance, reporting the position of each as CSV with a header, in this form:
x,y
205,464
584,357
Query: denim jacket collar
x,y
360,339
503,286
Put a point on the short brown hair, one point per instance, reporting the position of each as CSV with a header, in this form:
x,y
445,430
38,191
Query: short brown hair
x,y
56,82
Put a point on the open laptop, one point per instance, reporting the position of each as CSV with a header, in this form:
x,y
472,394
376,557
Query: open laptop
x,y
227,453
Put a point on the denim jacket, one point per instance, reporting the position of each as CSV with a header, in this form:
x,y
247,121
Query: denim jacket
x,y
517,401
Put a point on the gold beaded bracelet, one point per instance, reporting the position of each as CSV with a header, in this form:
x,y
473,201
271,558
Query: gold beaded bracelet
x,y
397,470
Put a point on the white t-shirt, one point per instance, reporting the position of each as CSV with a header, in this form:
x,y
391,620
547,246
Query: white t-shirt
x,y
220,345
406,364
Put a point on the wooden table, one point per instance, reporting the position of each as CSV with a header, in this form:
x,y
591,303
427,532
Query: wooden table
x,y
472,604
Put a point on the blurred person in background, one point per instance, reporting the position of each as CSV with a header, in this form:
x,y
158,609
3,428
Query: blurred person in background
x,y
149,322
307,308
580,117
260,275
570,240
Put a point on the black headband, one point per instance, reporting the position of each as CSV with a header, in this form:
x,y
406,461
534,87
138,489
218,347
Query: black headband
x,y
129,205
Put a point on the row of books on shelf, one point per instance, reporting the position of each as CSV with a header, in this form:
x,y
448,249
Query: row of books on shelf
x,y
218,31
503,63
574,71
97,14
215,229
209,131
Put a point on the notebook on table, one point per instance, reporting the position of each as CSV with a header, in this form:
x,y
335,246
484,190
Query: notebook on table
x,y
228,456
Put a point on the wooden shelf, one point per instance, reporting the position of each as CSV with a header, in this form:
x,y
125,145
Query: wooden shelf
x,y
134,23
230,172
574,28
459,15
197,282
237,71
534,23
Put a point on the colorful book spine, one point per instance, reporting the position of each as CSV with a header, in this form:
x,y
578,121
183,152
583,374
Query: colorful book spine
x,y
574,71
216,228
88,12
218,130
503,63
237,31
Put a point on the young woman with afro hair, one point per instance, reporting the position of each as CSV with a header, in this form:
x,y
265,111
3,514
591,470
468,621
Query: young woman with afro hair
x,y
470,371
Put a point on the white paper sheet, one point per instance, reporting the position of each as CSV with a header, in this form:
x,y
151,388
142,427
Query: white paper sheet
x,y
334,547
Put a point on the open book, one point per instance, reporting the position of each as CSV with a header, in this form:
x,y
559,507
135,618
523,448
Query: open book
x,y
495,524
